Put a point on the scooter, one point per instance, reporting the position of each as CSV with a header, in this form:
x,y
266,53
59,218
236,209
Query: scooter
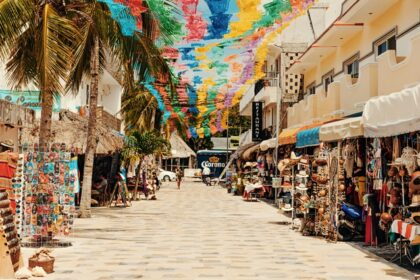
x,y
350,222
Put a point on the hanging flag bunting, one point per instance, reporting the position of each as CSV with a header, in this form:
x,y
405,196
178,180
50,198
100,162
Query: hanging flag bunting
x,y
219,50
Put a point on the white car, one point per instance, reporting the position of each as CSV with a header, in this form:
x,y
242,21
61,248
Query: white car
x,y
166,175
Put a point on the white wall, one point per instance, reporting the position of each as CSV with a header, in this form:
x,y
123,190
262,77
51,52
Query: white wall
x,y
109,89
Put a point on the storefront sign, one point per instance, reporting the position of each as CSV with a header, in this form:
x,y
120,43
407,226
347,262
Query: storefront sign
x,y
257,121
215,160
290,98
28,98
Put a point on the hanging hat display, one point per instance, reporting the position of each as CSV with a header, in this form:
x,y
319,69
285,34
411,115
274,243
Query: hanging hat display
x,y
293,156
301,187
414,185
302,174
415,201
283,164
409,159
287,207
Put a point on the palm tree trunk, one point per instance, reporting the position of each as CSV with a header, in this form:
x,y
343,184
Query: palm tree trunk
x,y
138,176
47,100
85,203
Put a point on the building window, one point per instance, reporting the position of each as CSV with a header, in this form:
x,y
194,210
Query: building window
x,y
327,79
310,89
388,42
351,66
353,69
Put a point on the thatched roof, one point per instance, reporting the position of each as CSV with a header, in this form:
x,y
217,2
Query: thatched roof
x,y
179,149
71,129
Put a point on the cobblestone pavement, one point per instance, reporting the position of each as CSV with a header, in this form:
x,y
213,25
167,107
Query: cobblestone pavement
x,y
203,233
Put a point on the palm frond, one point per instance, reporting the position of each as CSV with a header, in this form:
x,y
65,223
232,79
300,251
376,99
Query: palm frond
x,y
58,39
15,16
22,68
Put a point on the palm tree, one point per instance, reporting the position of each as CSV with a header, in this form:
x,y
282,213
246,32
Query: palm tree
x,y
138,146
140,109
38,41
102,38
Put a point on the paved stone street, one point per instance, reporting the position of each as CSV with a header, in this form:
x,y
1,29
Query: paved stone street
x,y
203,233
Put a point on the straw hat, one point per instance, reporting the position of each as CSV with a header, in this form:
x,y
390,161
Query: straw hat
x,y
415,201
415,216
287,207
397,162
304,161
250,164
415,182
282,164
8,143
293,156
301,187
286,185
302,174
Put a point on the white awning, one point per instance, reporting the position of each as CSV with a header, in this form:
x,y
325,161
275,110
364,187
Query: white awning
x,y
393,114
268,144
247,155
344,129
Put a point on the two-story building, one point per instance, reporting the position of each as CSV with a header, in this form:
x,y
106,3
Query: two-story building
x,y
371,50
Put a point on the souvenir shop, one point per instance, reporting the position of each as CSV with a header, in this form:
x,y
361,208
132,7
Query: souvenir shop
x,y
359,177
255,169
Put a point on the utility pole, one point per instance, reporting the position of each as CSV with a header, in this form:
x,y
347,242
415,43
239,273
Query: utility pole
x,y
227,137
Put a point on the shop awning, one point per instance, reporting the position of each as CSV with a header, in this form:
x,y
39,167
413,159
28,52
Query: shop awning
x,y
247,155
268,144
344,129
308,137
288,136
394,114
241,149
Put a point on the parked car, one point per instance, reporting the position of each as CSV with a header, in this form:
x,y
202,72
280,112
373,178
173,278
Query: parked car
x,y
166,175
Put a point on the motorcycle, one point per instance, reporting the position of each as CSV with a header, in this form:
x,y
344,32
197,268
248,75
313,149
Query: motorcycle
x,y
350,222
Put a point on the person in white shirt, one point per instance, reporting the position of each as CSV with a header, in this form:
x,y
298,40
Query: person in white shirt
x,y
206,175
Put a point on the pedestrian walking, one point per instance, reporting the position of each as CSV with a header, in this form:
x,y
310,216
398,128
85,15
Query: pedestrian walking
x,y
206,175
179,176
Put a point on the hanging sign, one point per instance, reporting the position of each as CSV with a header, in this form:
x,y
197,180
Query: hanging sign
x,y
257,121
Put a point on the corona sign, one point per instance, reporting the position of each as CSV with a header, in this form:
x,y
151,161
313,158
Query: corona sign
x,y
215,160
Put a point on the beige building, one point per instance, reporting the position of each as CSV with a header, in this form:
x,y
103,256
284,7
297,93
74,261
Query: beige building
x,y
372,49
278,84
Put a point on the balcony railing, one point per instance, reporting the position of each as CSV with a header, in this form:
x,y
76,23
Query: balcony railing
x,y
271,79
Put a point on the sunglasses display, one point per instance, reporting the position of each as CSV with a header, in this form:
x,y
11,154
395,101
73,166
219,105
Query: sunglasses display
x,y
18,188
9,237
